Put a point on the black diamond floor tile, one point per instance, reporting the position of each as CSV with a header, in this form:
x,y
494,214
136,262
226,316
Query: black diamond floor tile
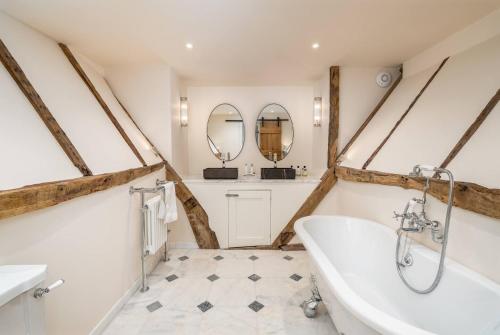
x,y
213,277
154,306
256,306
171,278
205,306
254,277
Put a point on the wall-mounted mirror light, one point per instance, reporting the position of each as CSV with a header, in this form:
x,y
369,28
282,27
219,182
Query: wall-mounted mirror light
x,y
317,111
184,112
274,132
225,132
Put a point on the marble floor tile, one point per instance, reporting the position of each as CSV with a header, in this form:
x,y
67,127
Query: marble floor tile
x,y
278,297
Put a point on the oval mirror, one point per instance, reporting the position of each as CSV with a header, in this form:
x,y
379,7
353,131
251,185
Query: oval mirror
x,y
274,132
225,132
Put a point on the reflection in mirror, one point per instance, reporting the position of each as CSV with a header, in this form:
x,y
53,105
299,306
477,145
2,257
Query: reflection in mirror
x,y
225,132
274,132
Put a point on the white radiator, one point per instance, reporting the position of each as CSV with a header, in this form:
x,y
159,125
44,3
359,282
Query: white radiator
x,y
155,230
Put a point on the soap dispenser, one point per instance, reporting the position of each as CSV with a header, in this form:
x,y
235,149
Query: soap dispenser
x,y
305,173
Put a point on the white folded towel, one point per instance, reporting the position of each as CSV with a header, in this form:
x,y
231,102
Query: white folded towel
x,y
168,208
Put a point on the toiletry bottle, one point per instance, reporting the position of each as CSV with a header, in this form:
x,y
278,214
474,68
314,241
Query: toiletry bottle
x,y
252,170
297,171
246,171
305,173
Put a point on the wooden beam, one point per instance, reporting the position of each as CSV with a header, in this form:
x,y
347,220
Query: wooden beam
x,y
198,218
469,196
293,247
100,100
370,117
36,101
34,197
328,179
370,159
472,129
333,131
327,182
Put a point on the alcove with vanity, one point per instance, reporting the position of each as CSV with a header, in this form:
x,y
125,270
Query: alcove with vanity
x,y
249,207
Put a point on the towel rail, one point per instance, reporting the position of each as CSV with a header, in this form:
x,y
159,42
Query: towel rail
x,y
142,191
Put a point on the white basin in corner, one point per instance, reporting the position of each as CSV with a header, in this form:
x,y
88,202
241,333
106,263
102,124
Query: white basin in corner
x,y
17,279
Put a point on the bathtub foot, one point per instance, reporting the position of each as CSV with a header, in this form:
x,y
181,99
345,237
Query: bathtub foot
x,y
310,306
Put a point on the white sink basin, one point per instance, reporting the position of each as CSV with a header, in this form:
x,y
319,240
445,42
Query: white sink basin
x,y
17,279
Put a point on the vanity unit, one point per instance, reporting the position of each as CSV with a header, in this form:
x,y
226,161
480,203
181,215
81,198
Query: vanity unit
x,y
250,211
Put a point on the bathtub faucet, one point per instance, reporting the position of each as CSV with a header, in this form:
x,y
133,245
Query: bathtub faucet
x,y
417,222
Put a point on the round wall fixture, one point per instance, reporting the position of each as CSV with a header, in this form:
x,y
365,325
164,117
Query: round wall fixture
x,y
384,79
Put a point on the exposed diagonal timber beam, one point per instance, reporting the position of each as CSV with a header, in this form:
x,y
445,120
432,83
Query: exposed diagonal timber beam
x,y
36,101
100,100
328,179
469,196
327,182
370,116
198,218
33,197
472,129
333,130
370,159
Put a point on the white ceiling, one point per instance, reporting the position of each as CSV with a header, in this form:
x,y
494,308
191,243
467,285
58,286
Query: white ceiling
x,y
250,42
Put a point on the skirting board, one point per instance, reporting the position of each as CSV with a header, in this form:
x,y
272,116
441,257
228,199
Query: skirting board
x,y
111,314
182,245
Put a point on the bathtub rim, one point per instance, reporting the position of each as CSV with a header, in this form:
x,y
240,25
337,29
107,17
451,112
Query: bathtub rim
x,y
355,304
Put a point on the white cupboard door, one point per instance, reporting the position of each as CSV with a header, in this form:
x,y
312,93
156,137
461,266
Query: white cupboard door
x,y
249,214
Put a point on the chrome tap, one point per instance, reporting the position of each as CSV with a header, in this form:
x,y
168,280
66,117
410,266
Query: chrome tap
x,y
419,222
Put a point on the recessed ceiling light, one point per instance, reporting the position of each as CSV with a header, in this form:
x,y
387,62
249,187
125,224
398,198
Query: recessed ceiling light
x,y
315,45
189,45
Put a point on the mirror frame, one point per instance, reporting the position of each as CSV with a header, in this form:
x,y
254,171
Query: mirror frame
x,y
244,131
291,122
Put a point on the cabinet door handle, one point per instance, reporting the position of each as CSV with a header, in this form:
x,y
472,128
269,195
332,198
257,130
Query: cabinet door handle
x,y
232,195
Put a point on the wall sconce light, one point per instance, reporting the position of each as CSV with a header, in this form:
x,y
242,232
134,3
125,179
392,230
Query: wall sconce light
x,y
317,111
184,112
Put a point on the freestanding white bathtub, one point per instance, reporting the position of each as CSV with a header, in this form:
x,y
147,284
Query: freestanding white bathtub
x,y
354,267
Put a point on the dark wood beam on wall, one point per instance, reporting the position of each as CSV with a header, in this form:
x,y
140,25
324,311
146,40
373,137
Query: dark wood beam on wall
x,y
469,196
100,100
370,116
472,129
34,197
333,130
328,180
36,101
370,159
198,218
313,200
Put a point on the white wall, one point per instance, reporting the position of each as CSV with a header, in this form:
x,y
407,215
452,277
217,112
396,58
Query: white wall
x,y
249,101
144,89
442,114
445,110
93,242
478,32
68,99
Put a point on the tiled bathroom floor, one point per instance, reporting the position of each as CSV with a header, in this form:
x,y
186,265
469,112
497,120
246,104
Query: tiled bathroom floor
x,y
224,292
